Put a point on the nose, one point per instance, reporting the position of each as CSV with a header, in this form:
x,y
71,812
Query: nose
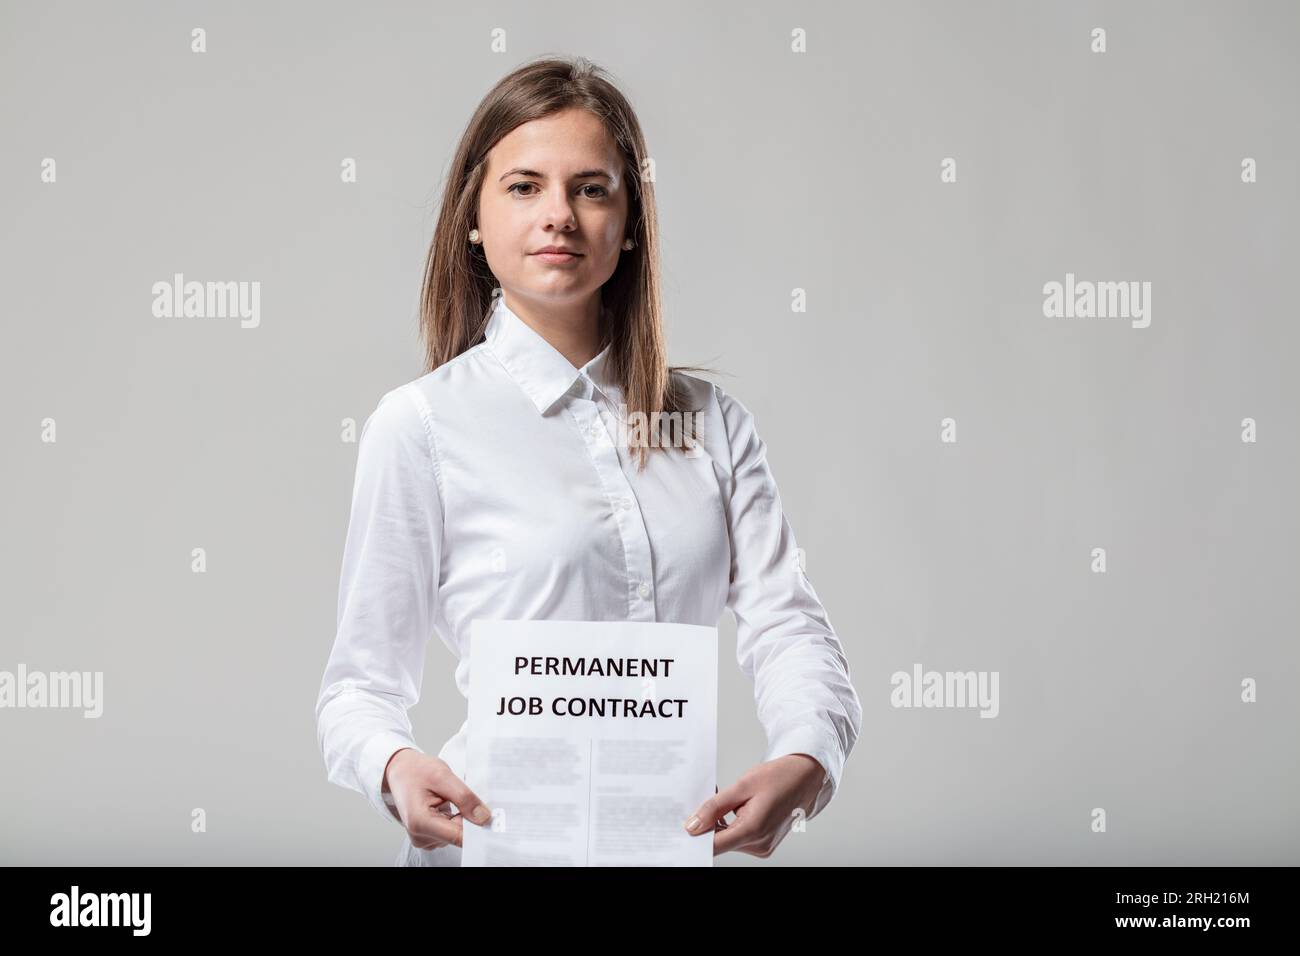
x,y
557,213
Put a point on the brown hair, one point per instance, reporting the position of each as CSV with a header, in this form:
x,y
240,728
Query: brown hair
x,y
456,298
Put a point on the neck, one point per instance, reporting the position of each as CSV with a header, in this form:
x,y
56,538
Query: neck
x,y
572,329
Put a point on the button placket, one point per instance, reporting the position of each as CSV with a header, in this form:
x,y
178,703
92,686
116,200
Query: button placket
x,y
627,516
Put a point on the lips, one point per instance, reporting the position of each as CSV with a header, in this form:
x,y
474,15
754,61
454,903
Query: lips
x,y
562,257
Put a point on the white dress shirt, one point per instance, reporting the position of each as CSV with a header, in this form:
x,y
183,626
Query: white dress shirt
x,y
494,487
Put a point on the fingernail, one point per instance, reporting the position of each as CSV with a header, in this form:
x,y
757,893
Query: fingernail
x,y
481,813
692,823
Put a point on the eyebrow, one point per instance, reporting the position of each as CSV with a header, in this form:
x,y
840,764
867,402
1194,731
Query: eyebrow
x,y
585,174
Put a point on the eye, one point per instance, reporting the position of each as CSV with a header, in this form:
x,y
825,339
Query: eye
x,y
601,191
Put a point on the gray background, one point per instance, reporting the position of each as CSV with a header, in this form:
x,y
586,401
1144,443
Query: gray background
x,y
774,171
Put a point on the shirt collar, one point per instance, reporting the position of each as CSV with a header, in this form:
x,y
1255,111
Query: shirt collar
x,y
537,366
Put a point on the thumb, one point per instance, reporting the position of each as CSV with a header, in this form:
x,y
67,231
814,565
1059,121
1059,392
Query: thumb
x,y
705,818
451,787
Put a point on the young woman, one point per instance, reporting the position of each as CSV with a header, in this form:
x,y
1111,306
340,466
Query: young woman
x,y
517,478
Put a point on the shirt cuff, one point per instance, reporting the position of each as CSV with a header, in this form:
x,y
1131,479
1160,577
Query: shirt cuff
x,y
815,743
373,763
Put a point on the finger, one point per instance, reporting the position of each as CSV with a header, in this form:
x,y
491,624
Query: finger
x,y
722,820
734,837
430,829
451,788
715,808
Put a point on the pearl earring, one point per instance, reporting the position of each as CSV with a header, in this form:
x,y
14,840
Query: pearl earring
x,y
628,243
473,235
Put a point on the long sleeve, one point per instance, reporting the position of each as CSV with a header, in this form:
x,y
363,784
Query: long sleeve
x,y
387,599
784,640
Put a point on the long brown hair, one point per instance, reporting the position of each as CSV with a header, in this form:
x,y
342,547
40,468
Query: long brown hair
x,y
456,297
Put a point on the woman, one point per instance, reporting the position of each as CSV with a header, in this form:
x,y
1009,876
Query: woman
x,y
506,482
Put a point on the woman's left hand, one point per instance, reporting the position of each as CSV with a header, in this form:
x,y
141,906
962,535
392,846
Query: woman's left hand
x,y
764,800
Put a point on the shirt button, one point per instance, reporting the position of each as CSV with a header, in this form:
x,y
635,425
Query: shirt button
x,y
625,503
643,590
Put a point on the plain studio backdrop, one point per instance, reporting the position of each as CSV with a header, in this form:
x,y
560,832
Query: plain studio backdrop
x,y
778,168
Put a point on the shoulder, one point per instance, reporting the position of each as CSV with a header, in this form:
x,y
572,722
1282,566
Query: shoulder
x,y
397,421
474,364
702,394
436,389
731,430
711,398
697,393
405,418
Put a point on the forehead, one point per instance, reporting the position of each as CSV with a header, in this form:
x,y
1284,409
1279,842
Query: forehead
x,y
573,138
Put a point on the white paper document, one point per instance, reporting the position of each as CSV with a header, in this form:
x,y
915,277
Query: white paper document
x,y
592,742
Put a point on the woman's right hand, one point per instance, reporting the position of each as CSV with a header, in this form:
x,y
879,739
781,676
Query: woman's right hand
x,y
424,787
